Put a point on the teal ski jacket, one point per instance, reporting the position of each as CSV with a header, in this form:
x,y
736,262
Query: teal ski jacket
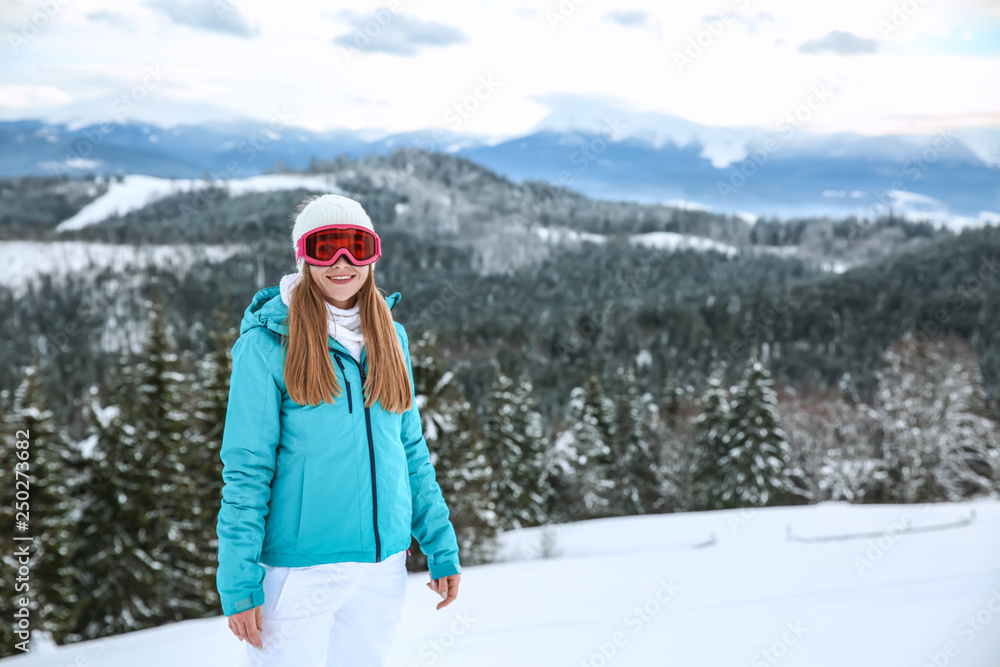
x,y
305,485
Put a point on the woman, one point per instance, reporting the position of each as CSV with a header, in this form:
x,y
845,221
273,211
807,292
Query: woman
x,y
327,473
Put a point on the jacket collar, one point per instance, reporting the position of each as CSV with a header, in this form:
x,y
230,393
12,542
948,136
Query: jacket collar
x,y
268,310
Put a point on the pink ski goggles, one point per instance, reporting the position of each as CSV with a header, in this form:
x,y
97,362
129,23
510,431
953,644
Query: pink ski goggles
x,y
324,245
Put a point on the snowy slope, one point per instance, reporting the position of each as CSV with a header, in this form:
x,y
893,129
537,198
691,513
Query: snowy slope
x,y
669,241
733,587
22,262
135,191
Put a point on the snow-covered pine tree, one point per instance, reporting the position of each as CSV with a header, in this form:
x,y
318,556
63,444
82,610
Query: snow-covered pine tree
x,y
210,401
590,419
177,469
515,441
502,448
41,467
529,475
457,453
464,475
673,397
120,557
711,444
938,444
560,475
831,435
634,464
139,564
754,469
669,443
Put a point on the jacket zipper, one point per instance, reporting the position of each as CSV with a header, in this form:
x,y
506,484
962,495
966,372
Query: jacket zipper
x,y
371,451
350,403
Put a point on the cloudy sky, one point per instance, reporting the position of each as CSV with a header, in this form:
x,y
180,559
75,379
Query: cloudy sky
x,y
869,66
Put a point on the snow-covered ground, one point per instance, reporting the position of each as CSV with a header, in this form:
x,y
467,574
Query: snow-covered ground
x,y
136,191
22,262
668,241
911,586
674,241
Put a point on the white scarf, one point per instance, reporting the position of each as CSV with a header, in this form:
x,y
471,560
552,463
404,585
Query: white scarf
x,y
344,324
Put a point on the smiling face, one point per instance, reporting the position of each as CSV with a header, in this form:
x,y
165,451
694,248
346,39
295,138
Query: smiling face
x,y
340,282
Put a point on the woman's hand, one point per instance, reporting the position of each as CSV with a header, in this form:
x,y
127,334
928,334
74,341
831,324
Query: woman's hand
x,y
246,625
446,587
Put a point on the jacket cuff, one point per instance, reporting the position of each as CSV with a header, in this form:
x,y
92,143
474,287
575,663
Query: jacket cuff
x,y
232,606
439,570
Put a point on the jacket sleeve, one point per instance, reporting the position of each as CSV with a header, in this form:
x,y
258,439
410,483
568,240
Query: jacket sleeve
x,y
249,449
431,525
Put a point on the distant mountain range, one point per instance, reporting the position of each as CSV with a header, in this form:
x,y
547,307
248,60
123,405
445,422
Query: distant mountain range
x,y
952,178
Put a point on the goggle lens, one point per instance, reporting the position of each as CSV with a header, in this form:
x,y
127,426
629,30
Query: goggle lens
x,y
322,245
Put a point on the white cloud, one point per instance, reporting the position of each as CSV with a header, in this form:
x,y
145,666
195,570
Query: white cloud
x,y
28,97
749,75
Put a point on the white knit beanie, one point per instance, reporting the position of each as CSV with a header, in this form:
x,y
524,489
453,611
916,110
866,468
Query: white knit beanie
x,y
327,210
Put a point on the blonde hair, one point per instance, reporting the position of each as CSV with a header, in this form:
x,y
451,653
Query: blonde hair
x,y
309,374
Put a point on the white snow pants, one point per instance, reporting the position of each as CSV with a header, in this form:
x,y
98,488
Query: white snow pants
x,y
330,615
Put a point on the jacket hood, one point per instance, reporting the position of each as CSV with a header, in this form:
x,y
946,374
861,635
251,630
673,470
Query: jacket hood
x,y
268,310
